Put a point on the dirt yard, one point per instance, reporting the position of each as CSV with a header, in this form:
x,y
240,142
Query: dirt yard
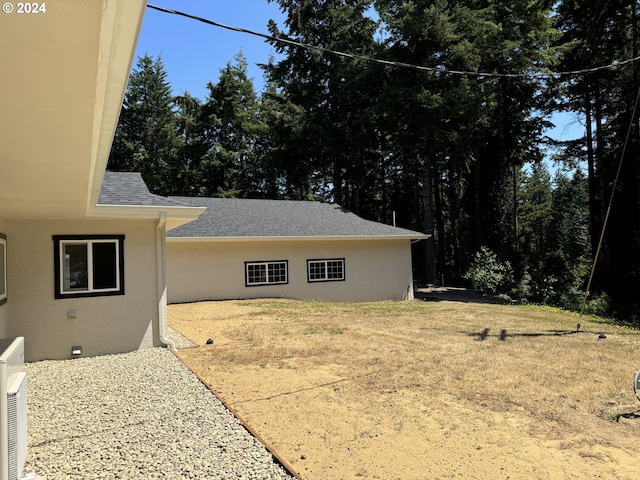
x,y
423,389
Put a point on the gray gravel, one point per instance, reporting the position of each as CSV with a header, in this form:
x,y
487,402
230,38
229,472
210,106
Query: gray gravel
x,y
179,340
136,415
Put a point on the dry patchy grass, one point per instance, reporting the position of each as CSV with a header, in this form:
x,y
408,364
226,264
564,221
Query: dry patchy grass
x,y
422,357
542,363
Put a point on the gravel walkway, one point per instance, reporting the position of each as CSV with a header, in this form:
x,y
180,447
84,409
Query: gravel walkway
x,y
139,415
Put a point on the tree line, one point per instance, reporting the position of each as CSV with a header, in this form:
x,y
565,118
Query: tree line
x,y
458,151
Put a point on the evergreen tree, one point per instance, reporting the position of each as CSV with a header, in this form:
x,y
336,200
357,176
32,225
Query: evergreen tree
x,y
187,178
329,92
464,138
231,130
569,256
146,138
535,213
284,169
520,40
603,33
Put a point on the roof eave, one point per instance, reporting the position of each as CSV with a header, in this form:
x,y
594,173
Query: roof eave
x,y
115,62
175,216
299,238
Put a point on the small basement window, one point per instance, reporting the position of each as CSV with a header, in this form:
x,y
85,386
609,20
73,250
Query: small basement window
x,y
329,270
3,269
88,266
266,273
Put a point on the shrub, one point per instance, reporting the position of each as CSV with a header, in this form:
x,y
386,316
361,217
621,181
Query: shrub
x,y
598,305
487,273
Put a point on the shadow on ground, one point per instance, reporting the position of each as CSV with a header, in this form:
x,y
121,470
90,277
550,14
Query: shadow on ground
x,y
454,294
503,335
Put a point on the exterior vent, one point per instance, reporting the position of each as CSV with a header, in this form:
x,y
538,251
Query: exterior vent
x,y
17,426
13,410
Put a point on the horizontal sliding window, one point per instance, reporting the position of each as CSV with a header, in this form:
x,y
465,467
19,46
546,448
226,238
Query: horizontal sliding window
x,y
329,270
266,273
87,266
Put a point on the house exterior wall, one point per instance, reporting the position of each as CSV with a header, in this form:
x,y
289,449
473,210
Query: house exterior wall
x,y
103,325
374,270
4,309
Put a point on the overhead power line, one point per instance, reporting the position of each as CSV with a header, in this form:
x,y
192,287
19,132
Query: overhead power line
x,y
288,41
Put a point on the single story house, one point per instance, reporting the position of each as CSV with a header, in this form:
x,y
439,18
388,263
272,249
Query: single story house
x,y
77,268
83,253
240,249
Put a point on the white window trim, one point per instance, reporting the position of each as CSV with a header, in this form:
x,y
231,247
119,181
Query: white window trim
x,y
266,264
61,241
326,278
3,274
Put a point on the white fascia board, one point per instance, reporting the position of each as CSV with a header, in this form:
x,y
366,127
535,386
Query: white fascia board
x,y
297,239
175,216
121,25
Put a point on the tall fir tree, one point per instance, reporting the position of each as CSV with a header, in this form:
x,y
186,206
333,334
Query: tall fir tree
x,y
463,138
569,253
187,176
146,138
604,33
231,133
328,90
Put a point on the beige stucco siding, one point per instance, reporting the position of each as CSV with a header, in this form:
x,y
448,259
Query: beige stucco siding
x,y
103,325
374,270
4,309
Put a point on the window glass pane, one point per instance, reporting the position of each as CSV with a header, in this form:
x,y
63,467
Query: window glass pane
x,y
334,269
3,269
76,275
316,270
256,273
104,265
277,272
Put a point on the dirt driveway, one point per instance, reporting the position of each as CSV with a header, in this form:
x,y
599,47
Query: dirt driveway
x,y
423,389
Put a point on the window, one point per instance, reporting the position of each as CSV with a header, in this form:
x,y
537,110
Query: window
x,y
331,270
266,273
89,265
3,269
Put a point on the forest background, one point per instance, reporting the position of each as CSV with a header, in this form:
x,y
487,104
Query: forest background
x,y
436,122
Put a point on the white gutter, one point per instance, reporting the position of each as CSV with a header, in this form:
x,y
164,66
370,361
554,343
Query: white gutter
x,y
145,211
161,275
175,216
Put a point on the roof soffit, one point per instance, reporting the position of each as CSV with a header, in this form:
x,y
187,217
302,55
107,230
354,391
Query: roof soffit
x,y
68,69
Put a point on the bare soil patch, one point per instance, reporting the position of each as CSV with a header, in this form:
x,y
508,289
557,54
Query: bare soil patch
x,y
423,389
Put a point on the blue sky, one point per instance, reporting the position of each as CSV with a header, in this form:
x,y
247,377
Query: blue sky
x,y
193,53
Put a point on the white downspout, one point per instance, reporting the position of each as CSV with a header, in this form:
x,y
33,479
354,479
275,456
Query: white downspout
x,y
162,281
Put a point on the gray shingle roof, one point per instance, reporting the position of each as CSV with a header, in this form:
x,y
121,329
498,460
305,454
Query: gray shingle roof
x,y
231,217
128,188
